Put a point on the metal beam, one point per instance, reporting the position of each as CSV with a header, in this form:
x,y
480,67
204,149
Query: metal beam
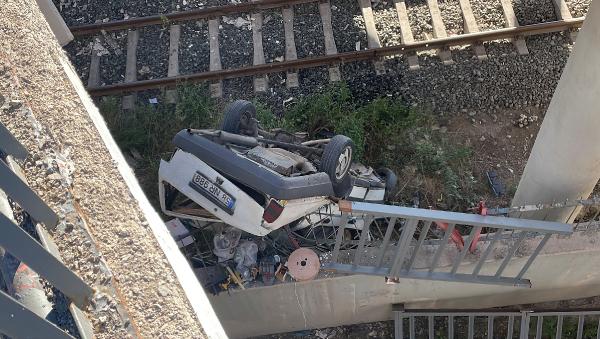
x,y
21,245
17,321
10,145
18,191
426,275
461,218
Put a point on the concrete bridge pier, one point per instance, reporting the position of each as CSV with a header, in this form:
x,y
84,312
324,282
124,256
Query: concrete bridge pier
x,y
565,160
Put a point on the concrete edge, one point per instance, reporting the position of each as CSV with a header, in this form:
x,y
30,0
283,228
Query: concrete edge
x,y
187,279
55,22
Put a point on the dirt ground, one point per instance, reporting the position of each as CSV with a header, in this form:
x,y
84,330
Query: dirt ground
x,y
498,144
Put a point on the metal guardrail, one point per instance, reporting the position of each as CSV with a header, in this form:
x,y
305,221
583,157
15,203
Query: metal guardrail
x,y
407,221
531,324
15,319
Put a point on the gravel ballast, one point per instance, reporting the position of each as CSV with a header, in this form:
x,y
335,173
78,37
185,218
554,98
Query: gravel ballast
x,y
578,8
466,85
235,39
146,284
348,26
194,49
308,30
154,61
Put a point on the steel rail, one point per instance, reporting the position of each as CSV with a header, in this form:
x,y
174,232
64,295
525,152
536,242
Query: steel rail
x,y
323,60
177,17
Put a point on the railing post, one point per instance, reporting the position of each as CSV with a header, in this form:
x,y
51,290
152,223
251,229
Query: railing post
x,y
398,311
10,145
17,190
403,244
358,254
21,245
17,321
524,332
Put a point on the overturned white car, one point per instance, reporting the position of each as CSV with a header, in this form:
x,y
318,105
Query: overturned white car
x,y
259,181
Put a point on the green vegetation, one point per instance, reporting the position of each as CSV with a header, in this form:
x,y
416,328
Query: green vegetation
x,y
569,328
145,133
385,132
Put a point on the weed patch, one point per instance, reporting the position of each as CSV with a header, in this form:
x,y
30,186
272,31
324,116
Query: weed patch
x,y
386,133
145,133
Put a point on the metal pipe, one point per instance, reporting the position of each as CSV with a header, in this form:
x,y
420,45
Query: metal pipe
x,y
534,255
490,327
511,324
386,240
339,236
363,237
315,142
465,249
407,234
440,249
487,252
422,237
511,253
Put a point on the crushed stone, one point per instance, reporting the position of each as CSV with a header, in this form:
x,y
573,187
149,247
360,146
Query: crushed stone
x,y
32,73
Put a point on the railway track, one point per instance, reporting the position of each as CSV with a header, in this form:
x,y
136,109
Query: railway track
x,y
332,59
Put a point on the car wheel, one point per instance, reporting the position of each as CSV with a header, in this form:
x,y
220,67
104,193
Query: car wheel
x,y
240,118
336,161
391,180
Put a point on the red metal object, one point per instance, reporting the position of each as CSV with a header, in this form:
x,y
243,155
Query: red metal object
x,y
481,210
455,236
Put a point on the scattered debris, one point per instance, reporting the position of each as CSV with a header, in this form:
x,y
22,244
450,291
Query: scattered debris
x,y
525,120
238,22
144,70
226,242
245,259
496,184
304,264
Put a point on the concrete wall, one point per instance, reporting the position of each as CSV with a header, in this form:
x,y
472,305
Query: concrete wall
x,y
565,159
55,21
567,268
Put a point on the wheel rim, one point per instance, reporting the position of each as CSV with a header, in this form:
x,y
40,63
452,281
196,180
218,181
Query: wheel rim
x,y
244,120
343,163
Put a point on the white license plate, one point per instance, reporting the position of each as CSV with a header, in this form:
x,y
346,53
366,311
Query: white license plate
x,y
212,191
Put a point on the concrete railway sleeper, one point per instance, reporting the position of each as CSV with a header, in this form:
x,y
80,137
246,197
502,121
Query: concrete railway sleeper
x,y
259,69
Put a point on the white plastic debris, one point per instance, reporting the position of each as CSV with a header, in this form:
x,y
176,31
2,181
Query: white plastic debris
x,y
237,22
245,258
179,232
226,242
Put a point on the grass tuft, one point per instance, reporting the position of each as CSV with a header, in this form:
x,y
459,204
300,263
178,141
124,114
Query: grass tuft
x,y
385,132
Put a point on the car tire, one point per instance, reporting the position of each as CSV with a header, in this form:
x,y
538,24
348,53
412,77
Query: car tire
x,y
336,161
391,180
240,118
